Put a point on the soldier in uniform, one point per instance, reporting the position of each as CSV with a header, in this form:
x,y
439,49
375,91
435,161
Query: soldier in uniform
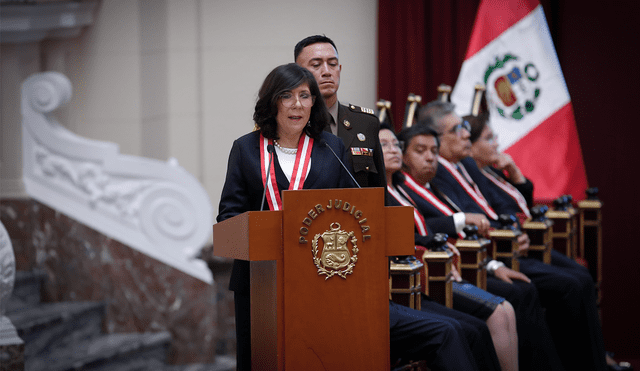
x,y
356,126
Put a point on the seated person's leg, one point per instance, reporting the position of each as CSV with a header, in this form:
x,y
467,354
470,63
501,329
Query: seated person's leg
x,y
568,315
588,289
475,331
502,324
470,299
415,335
242,304
536,350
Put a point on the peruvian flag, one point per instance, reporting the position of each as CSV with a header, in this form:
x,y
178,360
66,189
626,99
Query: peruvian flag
x,y
511,53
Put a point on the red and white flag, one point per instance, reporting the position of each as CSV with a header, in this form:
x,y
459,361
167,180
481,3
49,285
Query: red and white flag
x,y
512,54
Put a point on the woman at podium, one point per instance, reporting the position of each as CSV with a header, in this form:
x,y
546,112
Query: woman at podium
x,y
289,150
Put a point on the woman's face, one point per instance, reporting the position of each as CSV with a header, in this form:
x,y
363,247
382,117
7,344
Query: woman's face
x,y
391,150
485,149
294,110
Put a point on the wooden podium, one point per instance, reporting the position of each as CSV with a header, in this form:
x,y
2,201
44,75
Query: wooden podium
x,y
305,314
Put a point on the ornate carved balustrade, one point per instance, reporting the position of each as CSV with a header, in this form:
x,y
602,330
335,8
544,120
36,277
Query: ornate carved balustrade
x,y
155,207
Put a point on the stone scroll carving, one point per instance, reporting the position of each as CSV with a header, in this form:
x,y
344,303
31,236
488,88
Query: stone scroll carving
x,y
156,207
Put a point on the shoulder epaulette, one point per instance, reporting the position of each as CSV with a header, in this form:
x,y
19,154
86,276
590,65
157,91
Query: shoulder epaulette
x,y
355,108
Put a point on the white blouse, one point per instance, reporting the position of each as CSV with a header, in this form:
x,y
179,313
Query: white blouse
x,y
287,161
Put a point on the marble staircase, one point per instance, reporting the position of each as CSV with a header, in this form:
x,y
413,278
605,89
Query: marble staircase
x,y
69,336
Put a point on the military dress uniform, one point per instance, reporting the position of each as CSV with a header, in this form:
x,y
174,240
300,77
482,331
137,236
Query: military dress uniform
x,y
358,128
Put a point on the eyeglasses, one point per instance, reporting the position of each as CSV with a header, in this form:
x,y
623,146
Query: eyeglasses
x,y
289,100
458,128
391,145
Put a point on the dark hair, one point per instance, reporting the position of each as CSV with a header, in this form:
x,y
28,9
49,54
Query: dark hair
x,y
397,176
435,110
310,41
429,122
407,135
478,123
282,79
385,125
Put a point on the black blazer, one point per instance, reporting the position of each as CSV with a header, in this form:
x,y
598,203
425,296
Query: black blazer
x,y
434,218
243,187
447,184
499,200
420,240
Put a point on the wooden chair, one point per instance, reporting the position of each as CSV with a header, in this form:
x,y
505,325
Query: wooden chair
x,y
444,93
504,242
438,277
539,228
384,112
405,283
473,257
590,211
410,110
564,218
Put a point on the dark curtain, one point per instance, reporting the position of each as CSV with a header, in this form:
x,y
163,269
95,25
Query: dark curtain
x,y
423,43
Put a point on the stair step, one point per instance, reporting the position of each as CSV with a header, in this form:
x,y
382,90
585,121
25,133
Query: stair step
x,y
113,352
48,327
26,290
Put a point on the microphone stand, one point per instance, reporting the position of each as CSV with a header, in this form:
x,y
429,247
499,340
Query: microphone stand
x,y
270,149
341,163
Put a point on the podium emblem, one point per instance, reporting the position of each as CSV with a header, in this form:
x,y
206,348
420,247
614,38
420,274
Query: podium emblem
x,y
335,257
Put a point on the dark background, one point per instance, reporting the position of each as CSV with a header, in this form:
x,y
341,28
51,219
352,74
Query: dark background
x,y
423,43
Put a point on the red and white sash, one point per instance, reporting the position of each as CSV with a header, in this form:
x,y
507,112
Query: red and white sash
x,y
509,189
473,193
428,196
426,193
300,169
418,219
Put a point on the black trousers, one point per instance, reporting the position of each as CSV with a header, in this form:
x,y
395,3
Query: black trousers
x,y
568,293
242,303
437,339
475,331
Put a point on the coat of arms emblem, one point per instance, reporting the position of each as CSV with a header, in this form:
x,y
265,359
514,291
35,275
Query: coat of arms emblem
x,y
512,86
335,257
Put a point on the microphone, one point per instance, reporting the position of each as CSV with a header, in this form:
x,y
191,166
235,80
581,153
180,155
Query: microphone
x,y
270,149
341,163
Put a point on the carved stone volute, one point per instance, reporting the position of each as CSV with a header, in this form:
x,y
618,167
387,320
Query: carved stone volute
x,y
155,207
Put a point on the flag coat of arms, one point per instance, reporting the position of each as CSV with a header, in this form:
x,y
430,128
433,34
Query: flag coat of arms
x,y
511,53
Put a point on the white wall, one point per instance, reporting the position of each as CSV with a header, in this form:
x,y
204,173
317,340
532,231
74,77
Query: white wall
x,y
179,78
